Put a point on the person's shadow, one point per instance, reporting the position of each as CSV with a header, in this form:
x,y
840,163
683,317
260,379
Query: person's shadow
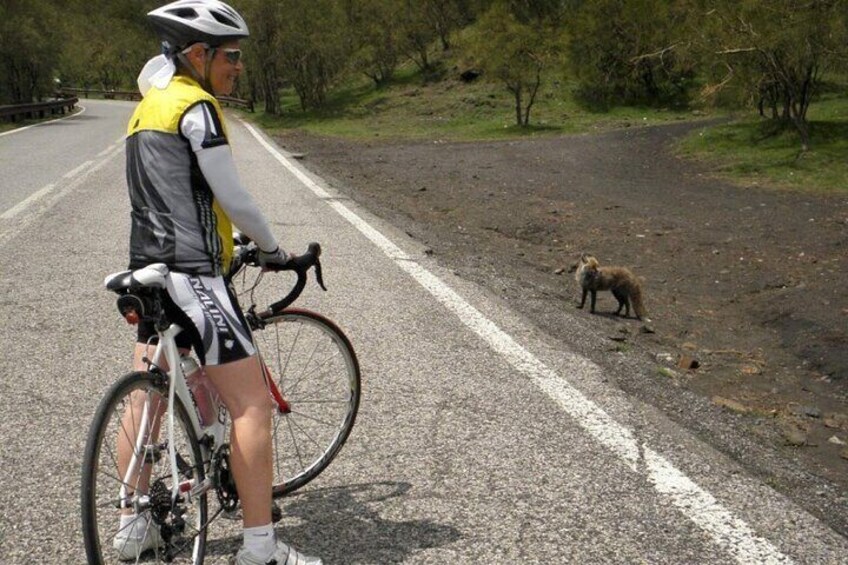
x,y
343,525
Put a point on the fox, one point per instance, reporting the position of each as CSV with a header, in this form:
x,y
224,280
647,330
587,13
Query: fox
x,y
624,285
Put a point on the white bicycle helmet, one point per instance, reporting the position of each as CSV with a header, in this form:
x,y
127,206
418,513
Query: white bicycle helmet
x,y
184,22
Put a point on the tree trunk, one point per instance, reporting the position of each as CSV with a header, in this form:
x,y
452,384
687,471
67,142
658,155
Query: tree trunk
x,y
517,92
269,89
801,104
533,91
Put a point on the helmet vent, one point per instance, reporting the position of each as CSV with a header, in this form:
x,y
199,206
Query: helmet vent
x,y
224,20
185,13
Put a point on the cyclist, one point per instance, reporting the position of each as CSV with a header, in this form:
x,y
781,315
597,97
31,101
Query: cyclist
x,y
186,196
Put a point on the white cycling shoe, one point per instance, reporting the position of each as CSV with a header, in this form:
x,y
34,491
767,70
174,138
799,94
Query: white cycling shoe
x,y
130,547
284,555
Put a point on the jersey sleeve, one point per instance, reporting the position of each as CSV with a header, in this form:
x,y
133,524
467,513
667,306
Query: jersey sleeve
x,y
201,126
219,169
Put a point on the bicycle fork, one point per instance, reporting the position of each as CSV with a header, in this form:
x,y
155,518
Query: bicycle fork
x,y
282,404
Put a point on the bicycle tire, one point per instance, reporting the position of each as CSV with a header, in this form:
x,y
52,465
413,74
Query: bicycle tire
x,y
323,410
102,480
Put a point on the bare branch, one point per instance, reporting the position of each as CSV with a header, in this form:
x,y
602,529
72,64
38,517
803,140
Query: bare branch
x,y
737,50
659,53
712,89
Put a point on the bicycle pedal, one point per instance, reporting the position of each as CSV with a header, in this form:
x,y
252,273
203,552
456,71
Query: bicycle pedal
x,y
232,514
276,513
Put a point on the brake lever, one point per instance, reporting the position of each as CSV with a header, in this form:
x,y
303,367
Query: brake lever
x,y
315,251
318,275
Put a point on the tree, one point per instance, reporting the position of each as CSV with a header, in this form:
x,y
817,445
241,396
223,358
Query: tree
x,y
104,44
312,47
262,50
418,35
516,53
631,51
377,38
443,16
774,52
28,53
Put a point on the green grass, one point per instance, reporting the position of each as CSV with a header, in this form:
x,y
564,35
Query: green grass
x,y
451,110
748,150
8,125
756,151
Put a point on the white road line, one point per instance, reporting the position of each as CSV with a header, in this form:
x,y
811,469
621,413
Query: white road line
x,y
75,172
24,204
57,191
10,132
725,529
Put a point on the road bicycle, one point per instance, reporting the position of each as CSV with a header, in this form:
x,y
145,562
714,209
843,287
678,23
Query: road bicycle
x,y
155,450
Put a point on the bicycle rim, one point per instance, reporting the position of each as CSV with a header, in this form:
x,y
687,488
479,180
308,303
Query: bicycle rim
x,y
316,370
109,481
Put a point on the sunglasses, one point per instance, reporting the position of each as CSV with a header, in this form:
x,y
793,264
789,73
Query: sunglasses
x,y
233,55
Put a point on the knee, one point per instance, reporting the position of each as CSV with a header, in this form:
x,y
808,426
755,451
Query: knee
x,y
254,409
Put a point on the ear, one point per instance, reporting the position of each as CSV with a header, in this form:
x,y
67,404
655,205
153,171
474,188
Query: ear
x,y
196,54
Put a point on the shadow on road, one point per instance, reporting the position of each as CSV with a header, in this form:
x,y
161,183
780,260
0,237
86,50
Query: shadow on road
x,y
347,525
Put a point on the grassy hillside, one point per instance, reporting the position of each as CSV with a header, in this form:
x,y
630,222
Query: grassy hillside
x,y
753,151
749,150
450,109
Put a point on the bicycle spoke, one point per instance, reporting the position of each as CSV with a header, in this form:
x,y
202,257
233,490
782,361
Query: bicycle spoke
x,y
312,359
294,442
319,368
125,461
314,419
306,433
293,388
281,369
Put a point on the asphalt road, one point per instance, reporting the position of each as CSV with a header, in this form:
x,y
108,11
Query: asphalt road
x,y
480,438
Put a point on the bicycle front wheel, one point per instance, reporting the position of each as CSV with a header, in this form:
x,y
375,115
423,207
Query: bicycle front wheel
x,y
128,512
316,371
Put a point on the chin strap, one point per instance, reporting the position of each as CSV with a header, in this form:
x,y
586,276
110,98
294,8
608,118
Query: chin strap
x,y
202,80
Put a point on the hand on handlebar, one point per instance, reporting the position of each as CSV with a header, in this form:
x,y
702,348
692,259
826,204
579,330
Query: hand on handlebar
x,y
273,261
279,260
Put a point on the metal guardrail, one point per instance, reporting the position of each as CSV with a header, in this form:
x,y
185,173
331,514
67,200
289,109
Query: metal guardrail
x,y
108,94
37,110
230,101
135,95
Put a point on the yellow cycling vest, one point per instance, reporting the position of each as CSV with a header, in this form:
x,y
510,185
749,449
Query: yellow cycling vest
x,y
175,217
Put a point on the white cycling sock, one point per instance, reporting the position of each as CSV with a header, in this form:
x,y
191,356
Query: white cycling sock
x,y
261,541
133,525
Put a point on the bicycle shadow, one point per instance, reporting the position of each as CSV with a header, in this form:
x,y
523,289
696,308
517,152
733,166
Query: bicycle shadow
x,y
344,525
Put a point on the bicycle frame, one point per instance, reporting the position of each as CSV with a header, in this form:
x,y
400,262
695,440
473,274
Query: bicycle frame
x,y
177,387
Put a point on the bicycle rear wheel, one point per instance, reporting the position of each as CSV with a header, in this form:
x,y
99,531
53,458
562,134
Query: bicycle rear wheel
x,y
133,419
315,369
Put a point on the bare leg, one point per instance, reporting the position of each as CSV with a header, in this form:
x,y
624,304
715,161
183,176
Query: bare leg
x,y
242,388
140,478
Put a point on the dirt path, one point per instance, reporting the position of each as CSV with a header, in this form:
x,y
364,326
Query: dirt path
x,y
750,282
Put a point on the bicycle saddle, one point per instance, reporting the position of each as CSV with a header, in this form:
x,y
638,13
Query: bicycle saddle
x,y
151,276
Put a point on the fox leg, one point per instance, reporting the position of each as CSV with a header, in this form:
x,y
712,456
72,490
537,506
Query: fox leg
x,y
594,297
583,301
623,302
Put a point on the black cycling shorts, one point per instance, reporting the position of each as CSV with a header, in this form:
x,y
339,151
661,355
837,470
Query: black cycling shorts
x,y
209,313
